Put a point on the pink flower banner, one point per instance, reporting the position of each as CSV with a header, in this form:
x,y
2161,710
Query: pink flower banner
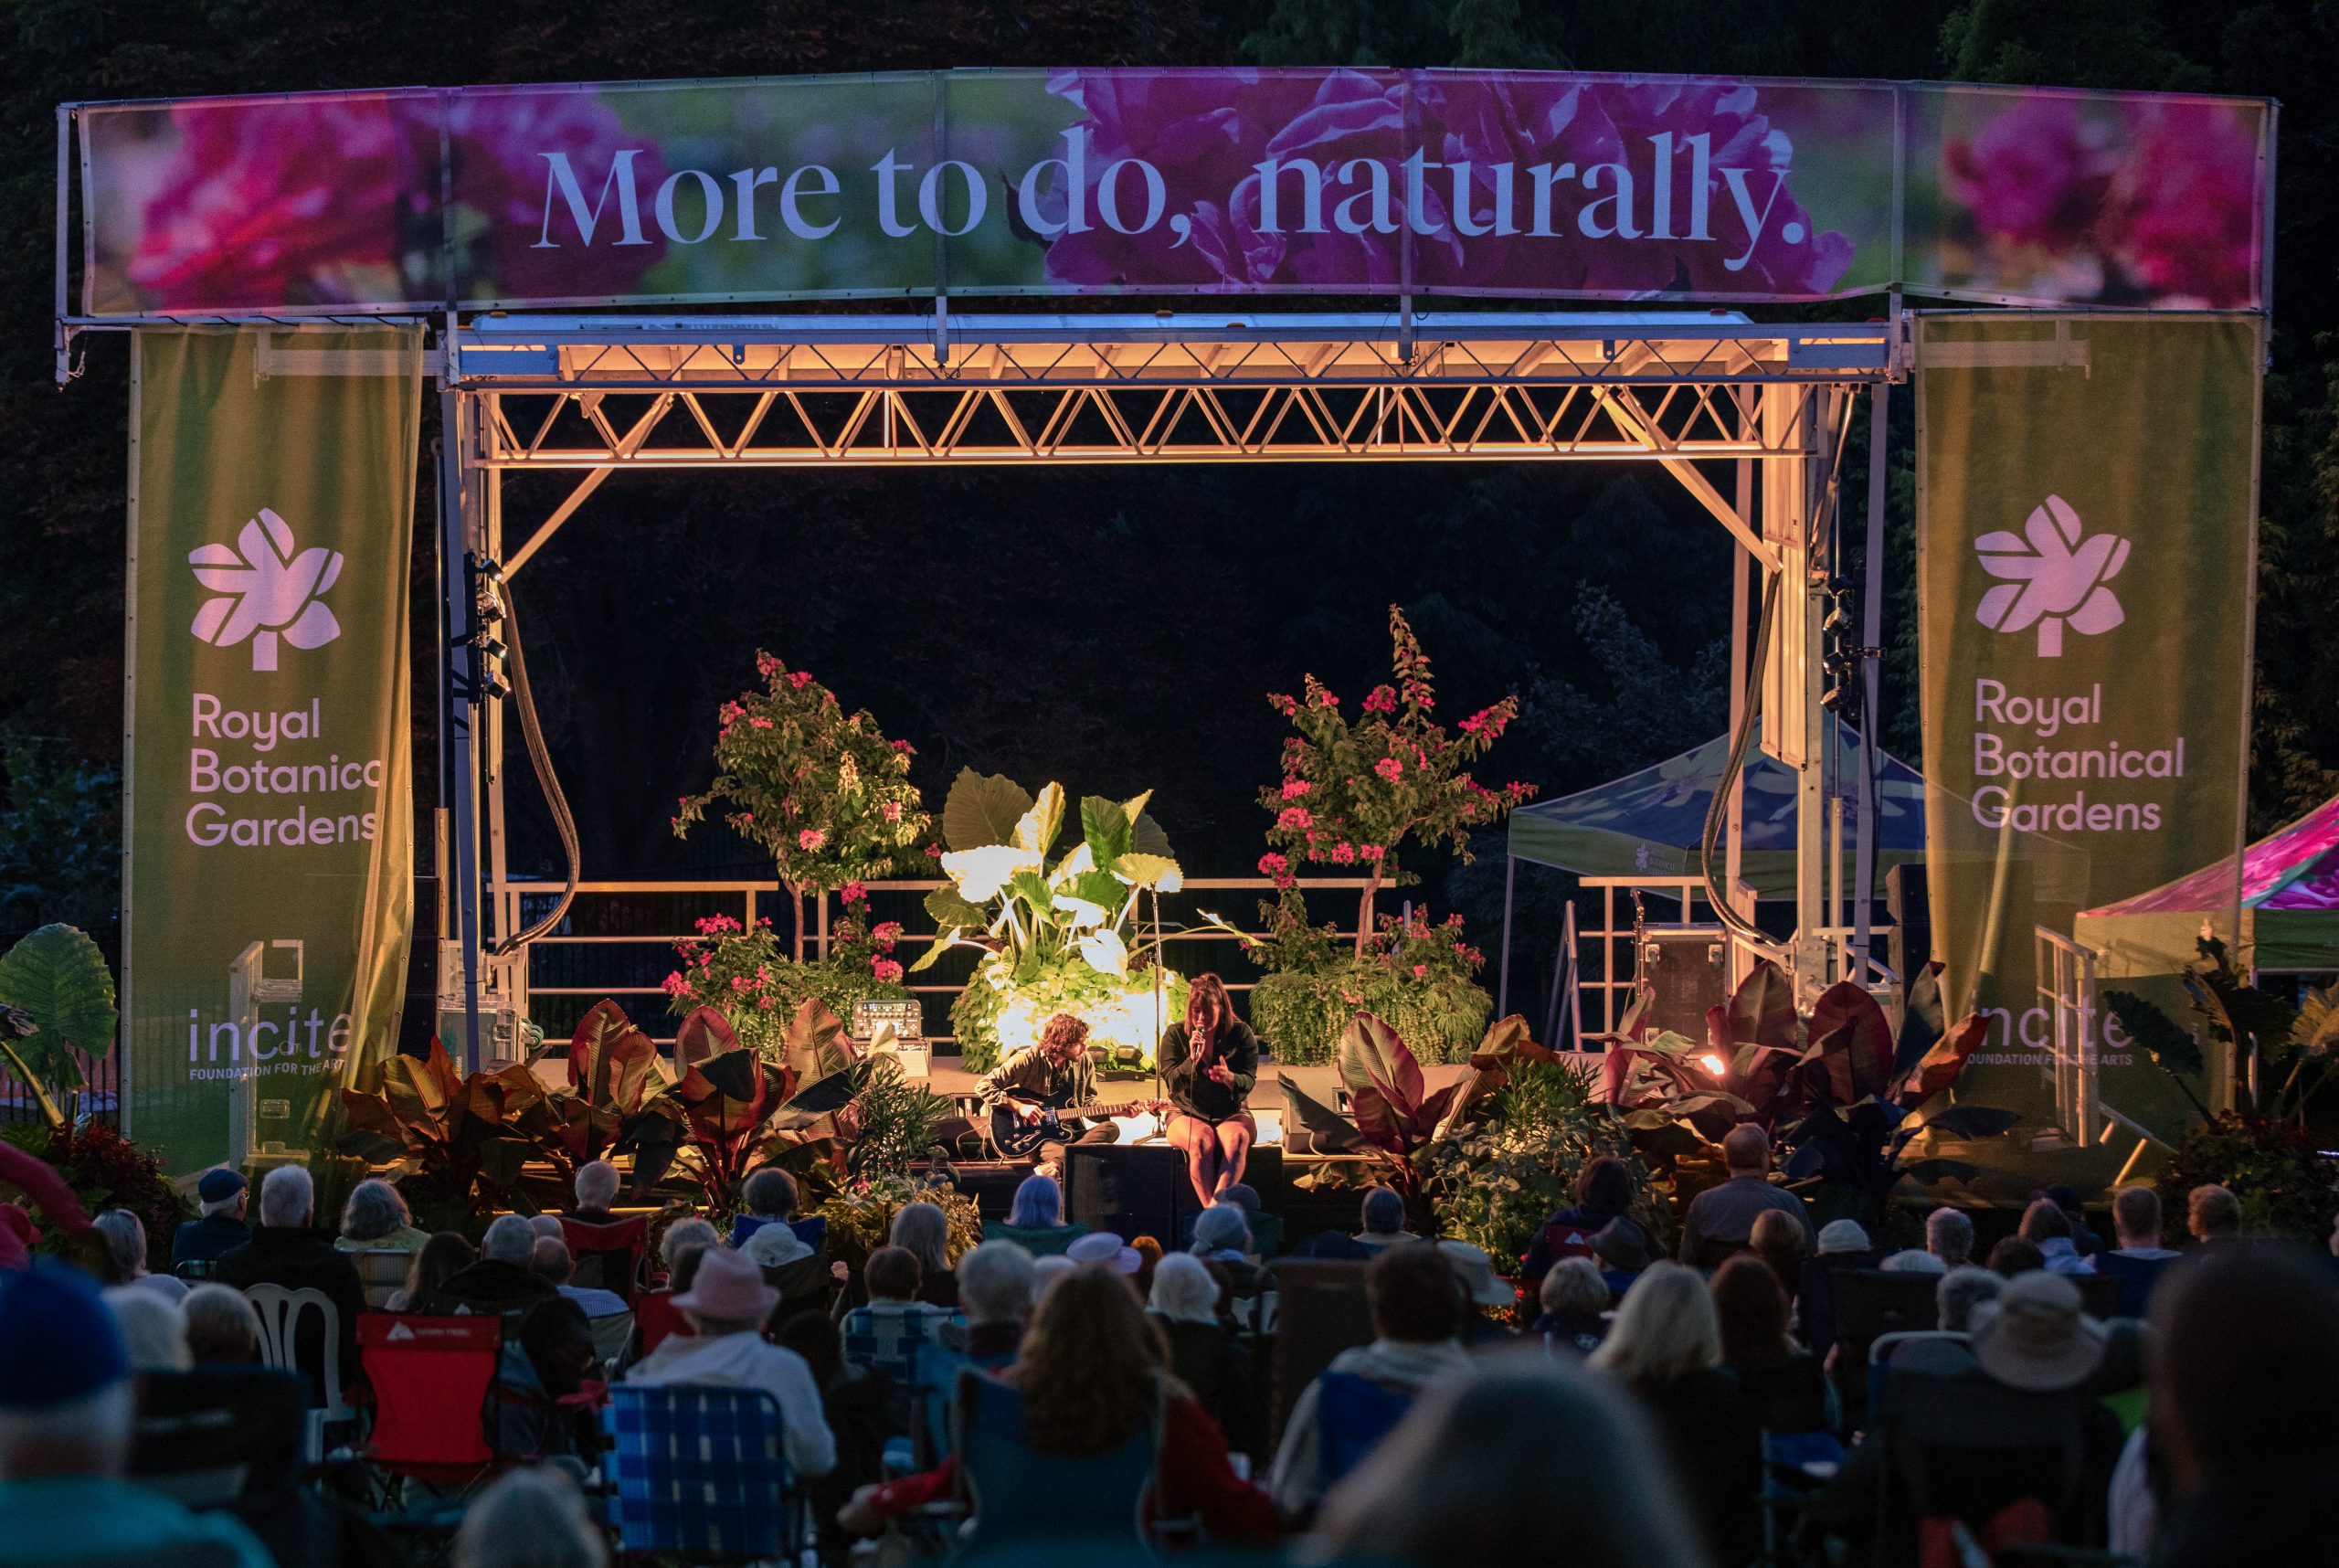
x,y
1519,185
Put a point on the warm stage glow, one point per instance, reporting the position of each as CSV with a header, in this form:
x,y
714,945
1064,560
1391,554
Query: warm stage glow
x,y
1713,1063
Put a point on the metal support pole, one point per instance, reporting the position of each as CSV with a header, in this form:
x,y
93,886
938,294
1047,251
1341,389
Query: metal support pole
x,y
1871,681
458,718
1502,975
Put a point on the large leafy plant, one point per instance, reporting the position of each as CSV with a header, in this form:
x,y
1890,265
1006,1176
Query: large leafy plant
x,y
1060,931
454,1145
1356,791
57,980
742,973
617,1101
2294,1043
1417,976
822,790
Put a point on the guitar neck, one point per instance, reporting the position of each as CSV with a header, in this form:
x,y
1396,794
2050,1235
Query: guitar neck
x,y
1100,1108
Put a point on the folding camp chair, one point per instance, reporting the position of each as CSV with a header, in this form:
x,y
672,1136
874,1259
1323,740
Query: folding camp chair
x,y
701,1473
1353,1414
1024,1500
280,1311
1972,1452
1320,1312
430,1378
1879,1360
608,1253
655,1316
381,1272
221,1435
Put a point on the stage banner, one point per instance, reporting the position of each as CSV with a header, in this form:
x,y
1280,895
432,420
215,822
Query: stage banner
x,y
2087,495
1528,185
267,797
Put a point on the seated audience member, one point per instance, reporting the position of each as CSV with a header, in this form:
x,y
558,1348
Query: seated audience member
x,y
1843,1244
1665,1346
864,1410
1622,1250
1575,1303
68,1413
1949,1236
1960,1291
1035,1220
1604,1190
922,1230
1090,1376
1454,1485
1382,1215
2083,1236
1491,1301
1221,1234
1720,1220
154,1332
597,1189
542,1408
2138,1262
1046,1271
220,1196
284,1251
427,1269
1204,1353
1416,1327
1103,1249
771,1241
2015,1254
1785,1382
222,1326
543,1225
1780,1242
2244,1410
896,1332
681,1247
501,1281
530,1518
376,1219
995,1299
2048,1229
1913,1260
726,1307
123,1254
1149,1258
549,1257
2212,1214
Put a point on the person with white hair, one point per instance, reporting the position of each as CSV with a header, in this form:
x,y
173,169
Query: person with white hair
x,y
222,1328
286,1251
153,1331
501,1282
1949,1236
1204,1355
67,1414
125,1234
922,1230
995,1298
375,1218
220,1194
597,1188
680,1249
532,1517
1913,1260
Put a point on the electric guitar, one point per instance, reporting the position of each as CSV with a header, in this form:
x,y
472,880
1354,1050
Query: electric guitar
x,y
1014,1138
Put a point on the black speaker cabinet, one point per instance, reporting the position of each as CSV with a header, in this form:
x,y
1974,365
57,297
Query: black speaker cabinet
x,y
1908,945
1140,1190
1687,970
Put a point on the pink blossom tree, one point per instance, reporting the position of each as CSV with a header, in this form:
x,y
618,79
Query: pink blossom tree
x,y
822,790
1356,791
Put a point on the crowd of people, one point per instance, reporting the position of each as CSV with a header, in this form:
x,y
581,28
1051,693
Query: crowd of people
x,y
1723,1405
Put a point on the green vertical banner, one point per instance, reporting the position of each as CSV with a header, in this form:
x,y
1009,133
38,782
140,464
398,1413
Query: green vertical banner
x,y
2087,495
268,795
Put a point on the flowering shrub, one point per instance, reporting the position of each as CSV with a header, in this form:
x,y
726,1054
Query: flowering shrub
x,y
861,1217
1354,792
743,976
822,790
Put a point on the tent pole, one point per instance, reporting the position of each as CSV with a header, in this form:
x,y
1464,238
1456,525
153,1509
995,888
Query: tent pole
x,y
461,699
1871,635
1502,980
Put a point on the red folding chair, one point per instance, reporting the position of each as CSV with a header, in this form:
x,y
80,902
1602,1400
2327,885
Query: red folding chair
x,y
655,1316
616,1248
430,1378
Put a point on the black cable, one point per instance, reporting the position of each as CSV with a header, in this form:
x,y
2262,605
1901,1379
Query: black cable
x,y
1717,811
540,758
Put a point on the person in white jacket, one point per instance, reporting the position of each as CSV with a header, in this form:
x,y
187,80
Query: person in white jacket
x,y
726,1305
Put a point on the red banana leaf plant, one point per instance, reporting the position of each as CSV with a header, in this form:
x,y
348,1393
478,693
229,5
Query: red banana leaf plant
x,y
740,1111
453,1144
618,1100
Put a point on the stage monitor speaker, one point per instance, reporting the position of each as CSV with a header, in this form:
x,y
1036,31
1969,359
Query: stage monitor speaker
x,y
1686,972
1140,1190
1908,945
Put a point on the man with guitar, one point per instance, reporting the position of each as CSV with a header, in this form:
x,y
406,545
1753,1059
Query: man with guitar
x,y
1040,1096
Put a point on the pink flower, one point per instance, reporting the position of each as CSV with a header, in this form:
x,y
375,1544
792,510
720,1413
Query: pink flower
x,y
903,747
1284,705
729,713
887,971
766,665
853,893
1317,697
891,810
1381,699
933,852
2035,174
1293,788
1344,853
2188,221
1389,768
1293,819
887,933
716,925
1370,851
1274,864
1420,971
675,985
800,678
759,721
812,839
498,141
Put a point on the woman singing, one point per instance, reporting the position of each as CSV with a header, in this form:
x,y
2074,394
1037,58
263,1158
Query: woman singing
x,y
1208,1064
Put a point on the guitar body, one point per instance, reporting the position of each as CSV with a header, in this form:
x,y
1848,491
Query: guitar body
x,y
1017,1139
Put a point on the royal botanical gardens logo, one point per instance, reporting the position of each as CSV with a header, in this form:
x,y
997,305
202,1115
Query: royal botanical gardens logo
x,y
2056,572
267,590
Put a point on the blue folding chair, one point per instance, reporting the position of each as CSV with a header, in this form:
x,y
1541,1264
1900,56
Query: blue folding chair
x,y
1353,1414
1023,1499
701,1472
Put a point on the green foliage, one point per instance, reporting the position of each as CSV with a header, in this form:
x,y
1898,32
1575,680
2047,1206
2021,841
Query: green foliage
x,y
1495,1182
2288,1188
454,1145
106,1170
60,838
894,1120
743,974
1301,1014
56,977
1003,1009
861,1217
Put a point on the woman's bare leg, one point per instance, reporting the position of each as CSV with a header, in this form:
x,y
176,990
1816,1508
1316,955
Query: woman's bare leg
x,y
1231,1143
1193,1138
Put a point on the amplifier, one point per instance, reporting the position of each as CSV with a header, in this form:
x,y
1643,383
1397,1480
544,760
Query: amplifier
x,y
1685,969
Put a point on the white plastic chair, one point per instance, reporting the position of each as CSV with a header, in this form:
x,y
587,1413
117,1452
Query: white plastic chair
x,y
279,1319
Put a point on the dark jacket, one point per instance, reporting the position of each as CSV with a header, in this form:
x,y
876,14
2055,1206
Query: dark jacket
x,y
491,1287
1714,1434
1817,1299
1567,1233
1790,1394
1186,1085
298,1260
1209,1360
208,1239
1031,1074
2280,1515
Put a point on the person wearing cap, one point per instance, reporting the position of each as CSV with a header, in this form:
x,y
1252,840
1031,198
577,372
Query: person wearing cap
x,y
1621,1248
1720,1220
1104,1250
221,1194
68,1413
1474,1275
726,1307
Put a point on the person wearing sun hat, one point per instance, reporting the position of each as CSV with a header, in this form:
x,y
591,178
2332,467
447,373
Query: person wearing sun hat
x,y
2034,1335
726,1305
1474,1272
1106,1250
68,1411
